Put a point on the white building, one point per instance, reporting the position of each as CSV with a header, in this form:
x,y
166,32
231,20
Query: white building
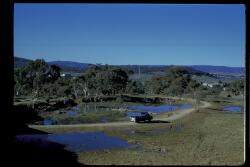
x,y
65,75
207,84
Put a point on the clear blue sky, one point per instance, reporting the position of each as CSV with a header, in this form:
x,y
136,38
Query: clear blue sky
x,y
152,34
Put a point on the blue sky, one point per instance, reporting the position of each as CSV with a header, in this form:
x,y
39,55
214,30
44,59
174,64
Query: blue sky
x,y
151,34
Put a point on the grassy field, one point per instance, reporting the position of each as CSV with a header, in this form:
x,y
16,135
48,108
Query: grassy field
x,y
207,137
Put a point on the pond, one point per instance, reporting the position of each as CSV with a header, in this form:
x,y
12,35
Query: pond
x,y
233,109
102,112
73,111
157,109
49,121
77,141
91,108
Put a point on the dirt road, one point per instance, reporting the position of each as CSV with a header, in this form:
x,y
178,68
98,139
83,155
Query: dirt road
x,y
176,115
180,114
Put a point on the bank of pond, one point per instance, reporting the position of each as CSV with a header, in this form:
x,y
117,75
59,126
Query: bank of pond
x,y
109,109
234,109
100,113
94,140
96,113
76,141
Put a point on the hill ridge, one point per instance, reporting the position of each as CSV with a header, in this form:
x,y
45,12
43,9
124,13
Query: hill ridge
x,y
78,66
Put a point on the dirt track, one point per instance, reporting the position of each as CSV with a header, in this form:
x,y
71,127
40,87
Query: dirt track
x,y
178,115
175,116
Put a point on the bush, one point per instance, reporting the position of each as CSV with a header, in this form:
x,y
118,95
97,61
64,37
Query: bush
x,y
119,99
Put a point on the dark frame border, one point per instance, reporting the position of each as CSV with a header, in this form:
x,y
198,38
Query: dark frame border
x,y
7,54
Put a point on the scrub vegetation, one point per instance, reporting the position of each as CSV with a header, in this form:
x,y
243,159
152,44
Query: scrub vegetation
x,y
206,136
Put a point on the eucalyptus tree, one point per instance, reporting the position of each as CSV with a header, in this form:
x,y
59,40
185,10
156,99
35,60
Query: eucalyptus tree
x,y
103,80
34,76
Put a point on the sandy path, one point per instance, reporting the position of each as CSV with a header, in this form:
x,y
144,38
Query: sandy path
x,y
175,116
180,114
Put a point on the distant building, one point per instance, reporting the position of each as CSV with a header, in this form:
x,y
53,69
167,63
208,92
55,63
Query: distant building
x,y
207,84
204,84
66,75
210,85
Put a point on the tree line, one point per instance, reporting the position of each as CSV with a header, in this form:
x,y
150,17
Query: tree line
x,y
38,79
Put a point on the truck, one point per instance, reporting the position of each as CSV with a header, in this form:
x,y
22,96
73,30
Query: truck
x,y
141,116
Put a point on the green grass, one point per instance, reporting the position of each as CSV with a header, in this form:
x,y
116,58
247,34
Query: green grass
x,y
219,103
206,138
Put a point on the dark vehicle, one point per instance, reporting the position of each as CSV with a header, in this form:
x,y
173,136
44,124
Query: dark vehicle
x,y
141,116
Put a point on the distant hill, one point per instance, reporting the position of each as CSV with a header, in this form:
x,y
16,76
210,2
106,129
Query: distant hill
x,y
144,68
148,69
157,69
64,65
221,70
20,62
70,65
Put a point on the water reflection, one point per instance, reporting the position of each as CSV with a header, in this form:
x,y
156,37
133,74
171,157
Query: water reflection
x,y
49,121
108,112
77,142
233,108
85,108
72,113
157,109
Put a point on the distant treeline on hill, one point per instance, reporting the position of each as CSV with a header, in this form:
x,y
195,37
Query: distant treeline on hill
x,y
198,69
39,79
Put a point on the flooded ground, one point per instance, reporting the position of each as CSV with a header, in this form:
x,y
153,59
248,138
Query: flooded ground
x,y
102,113
157,109
77,142
233,109
49,121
